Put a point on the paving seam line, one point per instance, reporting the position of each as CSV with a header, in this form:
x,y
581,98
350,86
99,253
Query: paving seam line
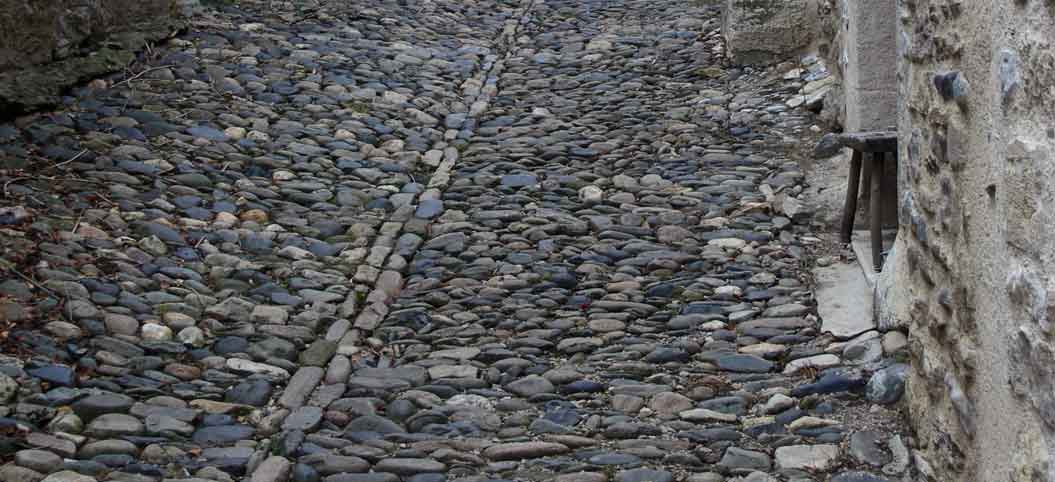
x,y
381,262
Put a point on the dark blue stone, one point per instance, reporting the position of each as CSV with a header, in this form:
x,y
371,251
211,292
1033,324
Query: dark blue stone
x,y
857,477
744,364
790,415
663,290
206,132
666,355
216,420
114,460
832,383
154,129
561,413
222,435
86,467
187,254
55,374
621,459
136,167
519,258
712,435
321,249
304,473
130,133
701,308
428,478
230,344
583,386
380,203
164,233
250,392
225,206
518,180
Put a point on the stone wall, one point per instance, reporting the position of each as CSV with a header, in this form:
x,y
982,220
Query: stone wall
x,y
47,45
974,252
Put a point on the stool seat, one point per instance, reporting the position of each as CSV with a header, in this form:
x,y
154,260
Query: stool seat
x,y
877,144
869,141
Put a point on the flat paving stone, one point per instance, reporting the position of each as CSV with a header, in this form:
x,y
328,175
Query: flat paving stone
x,y
523,450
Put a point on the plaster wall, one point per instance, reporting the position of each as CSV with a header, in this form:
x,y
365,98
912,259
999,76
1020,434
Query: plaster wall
x,y
976,260
869,57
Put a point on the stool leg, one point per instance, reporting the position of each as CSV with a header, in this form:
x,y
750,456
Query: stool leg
x,y
850,206
876,214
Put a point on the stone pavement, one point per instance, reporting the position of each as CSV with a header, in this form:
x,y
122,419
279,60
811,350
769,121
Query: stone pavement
x,y
426,241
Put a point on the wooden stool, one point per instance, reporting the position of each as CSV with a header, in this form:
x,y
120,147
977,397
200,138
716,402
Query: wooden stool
x,y
877,144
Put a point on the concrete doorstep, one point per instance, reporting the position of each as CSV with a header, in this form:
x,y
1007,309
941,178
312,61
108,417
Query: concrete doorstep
x,y
844,300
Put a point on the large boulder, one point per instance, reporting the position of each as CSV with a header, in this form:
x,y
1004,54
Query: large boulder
x,y
48,45
767,31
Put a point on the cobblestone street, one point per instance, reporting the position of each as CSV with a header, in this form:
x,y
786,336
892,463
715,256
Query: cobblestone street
x,y
431,240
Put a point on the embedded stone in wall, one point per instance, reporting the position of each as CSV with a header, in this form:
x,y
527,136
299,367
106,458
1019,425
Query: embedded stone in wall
x,y
767,31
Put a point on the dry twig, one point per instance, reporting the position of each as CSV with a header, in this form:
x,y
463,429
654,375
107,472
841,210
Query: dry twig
x,y
140,74
45,178
74,158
